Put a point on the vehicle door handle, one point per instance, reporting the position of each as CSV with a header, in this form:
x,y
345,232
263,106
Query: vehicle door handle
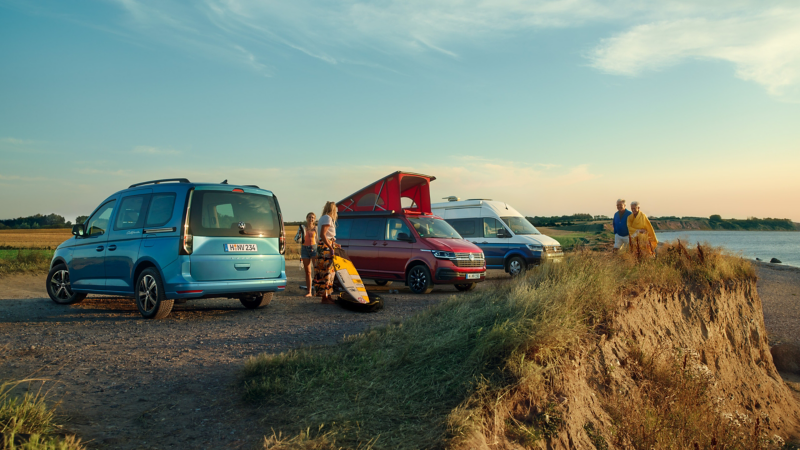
x,y
99,248
375,243
112,248
385,244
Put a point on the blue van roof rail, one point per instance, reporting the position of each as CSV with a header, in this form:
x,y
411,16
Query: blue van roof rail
x,y
179,180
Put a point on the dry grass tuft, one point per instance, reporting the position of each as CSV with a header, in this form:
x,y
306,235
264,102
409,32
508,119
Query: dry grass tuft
x,y
26,422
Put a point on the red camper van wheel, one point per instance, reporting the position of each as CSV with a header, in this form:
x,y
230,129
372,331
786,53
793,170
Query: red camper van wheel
x,y
466,287
419,280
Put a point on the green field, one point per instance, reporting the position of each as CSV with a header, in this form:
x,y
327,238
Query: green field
x,y
24,260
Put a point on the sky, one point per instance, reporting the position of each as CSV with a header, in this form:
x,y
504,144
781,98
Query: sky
x,y
555,107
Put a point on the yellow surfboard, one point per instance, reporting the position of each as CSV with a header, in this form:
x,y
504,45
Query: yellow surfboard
x,y
350,280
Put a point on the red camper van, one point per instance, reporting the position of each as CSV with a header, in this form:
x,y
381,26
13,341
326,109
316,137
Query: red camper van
x,y
390,234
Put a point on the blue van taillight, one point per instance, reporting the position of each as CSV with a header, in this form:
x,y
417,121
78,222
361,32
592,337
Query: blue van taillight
x,y
186,238
282,237
187,247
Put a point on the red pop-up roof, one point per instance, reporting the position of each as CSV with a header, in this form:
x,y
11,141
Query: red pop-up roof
x,y
390,193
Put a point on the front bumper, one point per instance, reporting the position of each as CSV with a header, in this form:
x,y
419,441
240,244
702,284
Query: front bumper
x,y
533,258
449,273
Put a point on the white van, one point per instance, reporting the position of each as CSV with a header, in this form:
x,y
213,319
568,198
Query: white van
x,y
506,237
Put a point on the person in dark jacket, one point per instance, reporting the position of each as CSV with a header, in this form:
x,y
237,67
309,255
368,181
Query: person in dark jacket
x,y
621,225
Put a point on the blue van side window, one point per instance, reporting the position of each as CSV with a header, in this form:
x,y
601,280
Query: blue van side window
x,y
161,207
465,227
130,214
98,223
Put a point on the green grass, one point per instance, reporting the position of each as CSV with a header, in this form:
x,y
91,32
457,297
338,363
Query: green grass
x,y
454,371
26,422
579,239
24,260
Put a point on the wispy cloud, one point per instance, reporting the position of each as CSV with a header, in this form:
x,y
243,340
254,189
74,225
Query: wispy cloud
x,y
147,150
760,39
764,48
15,141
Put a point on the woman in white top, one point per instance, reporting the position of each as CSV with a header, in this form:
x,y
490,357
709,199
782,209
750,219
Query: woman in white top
x,y
324,273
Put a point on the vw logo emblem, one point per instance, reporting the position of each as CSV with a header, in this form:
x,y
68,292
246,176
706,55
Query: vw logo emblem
x,y
241,225
471,257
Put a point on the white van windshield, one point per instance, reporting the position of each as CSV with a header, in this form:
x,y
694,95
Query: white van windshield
x,y
520,225
433,228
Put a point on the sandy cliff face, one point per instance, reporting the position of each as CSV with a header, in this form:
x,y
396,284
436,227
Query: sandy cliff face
x,y
720,334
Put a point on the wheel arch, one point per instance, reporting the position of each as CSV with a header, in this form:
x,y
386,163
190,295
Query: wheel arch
x,y
512,254
141,266
58,260
414,263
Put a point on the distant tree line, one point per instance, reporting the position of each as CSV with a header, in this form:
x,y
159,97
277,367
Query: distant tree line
x,y
556,221
751,223
37,221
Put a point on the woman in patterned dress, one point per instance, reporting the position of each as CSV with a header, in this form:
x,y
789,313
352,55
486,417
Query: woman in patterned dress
x,y
324,271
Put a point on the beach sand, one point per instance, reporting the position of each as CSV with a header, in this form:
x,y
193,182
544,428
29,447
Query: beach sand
x,y
779,289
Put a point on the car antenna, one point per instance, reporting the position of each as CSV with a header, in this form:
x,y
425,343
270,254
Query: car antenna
x,y
225,182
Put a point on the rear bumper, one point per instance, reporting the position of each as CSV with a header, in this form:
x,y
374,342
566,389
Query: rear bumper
x,y
225,288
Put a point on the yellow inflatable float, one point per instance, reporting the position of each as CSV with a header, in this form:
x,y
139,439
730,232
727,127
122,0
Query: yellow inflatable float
x,y
353,295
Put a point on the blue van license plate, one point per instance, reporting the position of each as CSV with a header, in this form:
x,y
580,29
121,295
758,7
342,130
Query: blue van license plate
x,y
241,247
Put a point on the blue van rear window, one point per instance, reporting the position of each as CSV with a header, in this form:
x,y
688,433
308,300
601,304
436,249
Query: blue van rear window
x,y
220,213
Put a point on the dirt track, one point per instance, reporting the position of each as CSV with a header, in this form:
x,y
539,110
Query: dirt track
x,y
131,383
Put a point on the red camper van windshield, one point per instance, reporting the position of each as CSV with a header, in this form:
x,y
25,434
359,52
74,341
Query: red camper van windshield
x,y
428,227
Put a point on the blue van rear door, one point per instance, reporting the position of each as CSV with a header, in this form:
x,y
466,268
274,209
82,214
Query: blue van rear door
x,y
235,234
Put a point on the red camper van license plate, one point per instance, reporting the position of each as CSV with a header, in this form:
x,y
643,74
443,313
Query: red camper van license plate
x,y
241,247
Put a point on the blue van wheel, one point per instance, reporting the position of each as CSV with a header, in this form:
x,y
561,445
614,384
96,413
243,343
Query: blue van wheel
x,y
257,300
150,295
59,287
516,266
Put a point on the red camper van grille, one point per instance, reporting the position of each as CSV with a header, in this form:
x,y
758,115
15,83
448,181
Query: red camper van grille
x,y
399,191
464,260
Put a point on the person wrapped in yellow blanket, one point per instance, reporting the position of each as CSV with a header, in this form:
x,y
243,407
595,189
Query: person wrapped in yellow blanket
x,y
643,238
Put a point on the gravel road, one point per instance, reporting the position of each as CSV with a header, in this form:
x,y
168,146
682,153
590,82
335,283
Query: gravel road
x,y
125,382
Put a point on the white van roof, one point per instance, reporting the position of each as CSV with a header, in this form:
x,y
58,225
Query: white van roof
x,y
501,209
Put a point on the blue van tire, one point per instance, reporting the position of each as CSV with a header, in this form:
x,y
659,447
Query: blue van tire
x,y
419,280
59,288
516,266
150,296
466,287
256,301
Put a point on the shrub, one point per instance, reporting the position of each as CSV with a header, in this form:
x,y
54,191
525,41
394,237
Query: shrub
x,y
26,422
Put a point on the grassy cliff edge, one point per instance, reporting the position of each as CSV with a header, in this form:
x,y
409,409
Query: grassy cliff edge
x,y
539,361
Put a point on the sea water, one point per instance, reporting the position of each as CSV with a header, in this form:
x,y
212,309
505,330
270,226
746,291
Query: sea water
x,y
784,245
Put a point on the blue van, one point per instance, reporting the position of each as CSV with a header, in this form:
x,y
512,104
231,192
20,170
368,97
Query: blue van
x,y
506,237
170,239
